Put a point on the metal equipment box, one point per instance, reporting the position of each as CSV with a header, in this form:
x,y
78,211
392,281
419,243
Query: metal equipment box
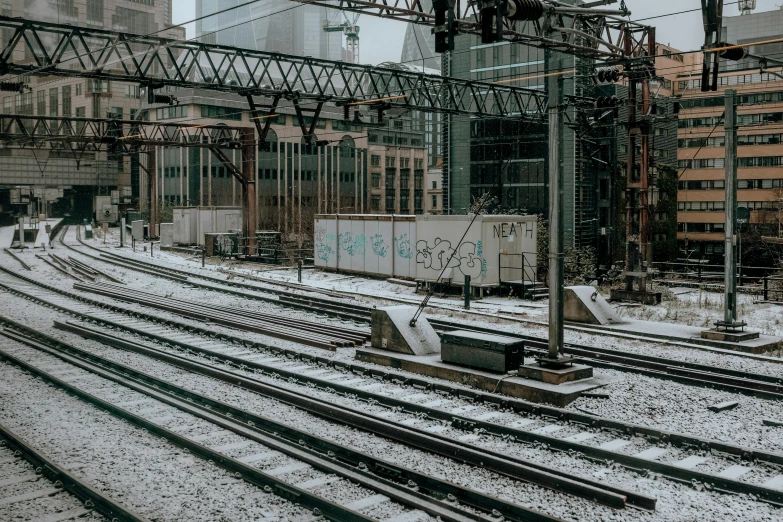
x,y
496,353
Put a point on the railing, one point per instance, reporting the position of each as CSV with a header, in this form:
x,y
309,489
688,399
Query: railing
x,y
517,264
773,289
707,273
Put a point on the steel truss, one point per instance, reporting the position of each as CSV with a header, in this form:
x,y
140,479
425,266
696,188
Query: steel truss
x,y
589,33
81,135
64,50
134,137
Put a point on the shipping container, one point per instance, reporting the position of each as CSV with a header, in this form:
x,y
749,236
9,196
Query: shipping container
x,y
491,249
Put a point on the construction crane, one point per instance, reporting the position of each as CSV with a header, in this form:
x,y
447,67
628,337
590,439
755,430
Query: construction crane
x,y
746,6
350,29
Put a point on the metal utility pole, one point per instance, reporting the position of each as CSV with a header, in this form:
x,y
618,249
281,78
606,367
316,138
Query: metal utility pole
x,y
556,293
730,276
249,188
152,180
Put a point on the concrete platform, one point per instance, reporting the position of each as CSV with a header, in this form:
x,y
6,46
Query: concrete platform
x,y
554,375
729,337
515,386
684,334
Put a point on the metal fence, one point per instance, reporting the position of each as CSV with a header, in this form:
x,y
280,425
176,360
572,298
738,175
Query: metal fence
x,y
707,273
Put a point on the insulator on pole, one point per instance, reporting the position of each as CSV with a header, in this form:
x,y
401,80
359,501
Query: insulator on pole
x,y
734,54
346,112
607,75
524,9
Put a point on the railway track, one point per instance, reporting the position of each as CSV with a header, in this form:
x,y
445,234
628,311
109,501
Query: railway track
x,y
595,438
694,374
383,480
305,332
33,487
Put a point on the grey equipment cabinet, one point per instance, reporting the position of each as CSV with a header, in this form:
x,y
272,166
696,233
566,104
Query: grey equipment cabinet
x,y
496,353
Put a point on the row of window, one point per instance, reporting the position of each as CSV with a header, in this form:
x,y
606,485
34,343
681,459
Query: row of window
x,y
720,141
700,227
719,163
745,99
740,79
742,119
221,113
742,184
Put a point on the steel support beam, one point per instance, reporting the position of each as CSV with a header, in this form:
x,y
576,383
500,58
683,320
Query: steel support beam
x,y
108,55
556,236
589,33
730,259
152,175
249,189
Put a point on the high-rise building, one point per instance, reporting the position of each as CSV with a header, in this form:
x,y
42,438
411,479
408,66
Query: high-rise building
x,y
271,26
53,173
509,158
418,48
701,143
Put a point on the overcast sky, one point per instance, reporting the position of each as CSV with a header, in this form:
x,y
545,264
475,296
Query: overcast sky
x,y
381,40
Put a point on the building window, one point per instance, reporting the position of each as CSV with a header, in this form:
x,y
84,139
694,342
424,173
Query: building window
x,y
376,180
115,113
98,86
405,163
167,113
375,202
53,105
434,201
132,91
78,89
434,184
220,113
390,161
41,102
375,161
95,12
67,100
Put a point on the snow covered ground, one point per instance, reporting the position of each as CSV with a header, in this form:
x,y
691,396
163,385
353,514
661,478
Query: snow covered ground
x,y
633,398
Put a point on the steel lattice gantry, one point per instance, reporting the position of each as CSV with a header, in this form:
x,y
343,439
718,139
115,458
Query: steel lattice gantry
x,y
586,32
81,135
49,49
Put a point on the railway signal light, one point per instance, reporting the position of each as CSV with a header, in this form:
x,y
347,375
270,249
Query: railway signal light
x,y
12,87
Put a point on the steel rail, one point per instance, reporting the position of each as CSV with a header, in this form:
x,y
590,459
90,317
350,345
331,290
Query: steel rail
x,y
717,482
256,477
422,383
61,477
184,276
343,333
21,262
517,468
57,267
227,317
397,482
458,421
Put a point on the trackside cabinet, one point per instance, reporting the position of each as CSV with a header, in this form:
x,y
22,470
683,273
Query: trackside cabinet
x,y
482,351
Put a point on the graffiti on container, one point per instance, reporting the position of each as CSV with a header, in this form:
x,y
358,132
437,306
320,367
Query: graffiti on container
x,y
379,246
480,255
403,246
323,248
355,246
320,234
441,255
